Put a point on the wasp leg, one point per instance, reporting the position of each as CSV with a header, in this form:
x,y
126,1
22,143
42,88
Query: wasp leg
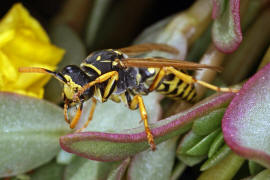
x,y
110,75
187,79
77,116
137,100
66,109
109,86
91,114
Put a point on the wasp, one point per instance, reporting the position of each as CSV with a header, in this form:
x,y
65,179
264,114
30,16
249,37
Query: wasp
x,y
112,74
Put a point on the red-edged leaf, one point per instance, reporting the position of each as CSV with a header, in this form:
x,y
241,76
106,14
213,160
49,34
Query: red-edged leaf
x,y
112,146
246,123
226,31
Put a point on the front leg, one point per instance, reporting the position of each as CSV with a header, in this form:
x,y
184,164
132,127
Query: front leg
x,y
113,76
91,114
66,106
77,116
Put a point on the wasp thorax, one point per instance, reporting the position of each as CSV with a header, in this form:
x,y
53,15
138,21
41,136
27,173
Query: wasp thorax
x,y
101,62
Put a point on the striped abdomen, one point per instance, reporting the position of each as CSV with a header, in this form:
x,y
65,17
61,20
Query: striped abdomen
x,y
173,87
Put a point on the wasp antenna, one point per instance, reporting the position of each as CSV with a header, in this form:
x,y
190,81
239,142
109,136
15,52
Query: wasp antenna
x,y
42,70
35,70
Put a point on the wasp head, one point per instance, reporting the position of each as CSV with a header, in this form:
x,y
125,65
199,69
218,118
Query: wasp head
x,y
75,79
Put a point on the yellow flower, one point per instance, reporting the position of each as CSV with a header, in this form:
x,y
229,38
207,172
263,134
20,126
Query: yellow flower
x,y
24,43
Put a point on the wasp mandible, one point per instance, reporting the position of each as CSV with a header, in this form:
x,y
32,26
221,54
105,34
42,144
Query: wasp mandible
x,y
112,74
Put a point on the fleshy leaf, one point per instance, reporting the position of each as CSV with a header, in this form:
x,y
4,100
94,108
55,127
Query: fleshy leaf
x,y
188,141
118,170
64,157
207,124
52,171
217,143
178,170
112,146
150,165
30,129
81,168
111,116
254,168
246,122
226,30
190,160
216,158
203,146
265,174
225,169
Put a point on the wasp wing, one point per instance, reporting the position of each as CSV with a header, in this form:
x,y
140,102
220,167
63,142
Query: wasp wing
x,y
146,47
164,62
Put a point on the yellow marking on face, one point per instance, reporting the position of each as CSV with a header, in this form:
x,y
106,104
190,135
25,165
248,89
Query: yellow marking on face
x,y
98,58
92,67
70,88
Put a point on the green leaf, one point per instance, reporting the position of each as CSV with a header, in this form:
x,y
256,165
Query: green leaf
x,y
216,158
178,170
226,30
81,168
51,171
203,146
265,174
246,122
188,141
207,124
150,165
225,169
118,145
30,129
190,160
217,143
254,168
64,157
118,171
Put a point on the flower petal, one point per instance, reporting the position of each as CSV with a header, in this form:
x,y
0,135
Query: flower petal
x,y
18,17
26,47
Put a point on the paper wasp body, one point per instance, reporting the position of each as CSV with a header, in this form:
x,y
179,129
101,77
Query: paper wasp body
x,y
112,74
